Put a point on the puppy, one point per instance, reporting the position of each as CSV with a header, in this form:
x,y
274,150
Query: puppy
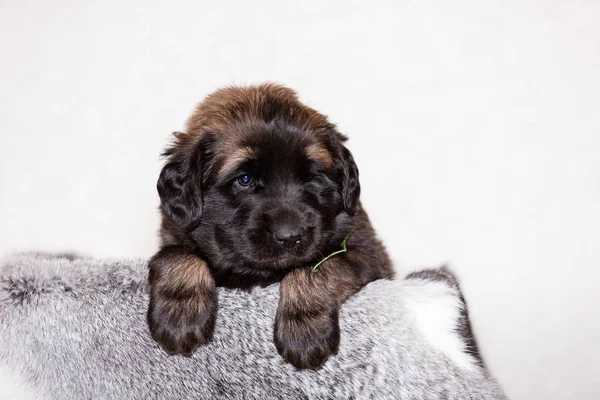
x,y
260,189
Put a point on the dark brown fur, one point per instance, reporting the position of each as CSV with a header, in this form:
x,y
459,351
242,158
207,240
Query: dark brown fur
x,y
182,295
225,131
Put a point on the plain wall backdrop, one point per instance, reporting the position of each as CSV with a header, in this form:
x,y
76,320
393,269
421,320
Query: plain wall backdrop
x,y
475,125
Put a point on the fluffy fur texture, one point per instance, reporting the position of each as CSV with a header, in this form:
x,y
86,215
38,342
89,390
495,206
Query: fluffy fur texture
x,y
258,190
74,328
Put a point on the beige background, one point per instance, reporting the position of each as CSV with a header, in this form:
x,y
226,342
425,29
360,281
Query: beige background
x,y
476,127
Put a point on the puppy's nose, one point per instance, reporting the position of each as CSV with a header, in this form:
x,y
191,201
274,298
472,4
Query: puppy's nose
x,y
287,235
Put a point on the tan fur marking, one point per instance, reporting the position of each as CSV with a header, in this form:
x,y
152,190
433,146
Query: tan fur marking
x,y
232,161
186,272
303,290
320,154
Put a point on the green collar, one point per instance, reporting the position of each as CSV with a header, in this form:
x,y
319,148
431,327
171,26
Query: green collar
x,y
343,250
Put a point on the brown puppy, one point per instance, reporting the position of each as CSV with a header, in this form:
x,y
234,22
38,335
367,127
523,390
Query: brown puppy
x,y
258,190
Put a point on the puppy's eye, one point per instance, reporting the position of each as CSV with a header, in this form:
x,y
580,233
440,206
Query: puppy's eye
x,y
245,180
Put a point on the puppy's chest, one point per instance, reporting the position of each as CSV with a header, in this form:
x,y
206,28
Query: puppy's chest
x,y
247,278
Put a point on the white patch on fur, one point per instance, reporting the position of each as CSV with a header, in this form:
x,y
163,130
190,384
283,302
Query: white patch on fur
x,y
436,308
14,387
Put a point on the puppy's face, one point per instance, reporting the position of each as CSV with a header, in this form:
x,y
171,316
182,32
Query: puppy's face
x,y
261,181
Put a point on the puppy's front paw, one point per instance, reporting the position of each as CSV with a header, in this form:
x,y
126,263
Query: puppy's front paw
x,y
307,339
181,325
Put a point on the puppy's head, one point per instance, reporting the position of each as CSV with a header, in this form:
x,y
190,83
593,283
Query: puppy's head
x,y
259,179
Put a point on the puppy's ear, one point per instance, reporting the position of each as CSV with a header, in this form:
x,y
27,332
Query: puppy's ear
x,y
180,182
347,172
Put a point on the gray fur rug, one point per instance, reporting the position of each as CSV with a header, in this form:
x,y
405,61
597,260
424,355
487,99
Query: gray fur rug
x,y
75,328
